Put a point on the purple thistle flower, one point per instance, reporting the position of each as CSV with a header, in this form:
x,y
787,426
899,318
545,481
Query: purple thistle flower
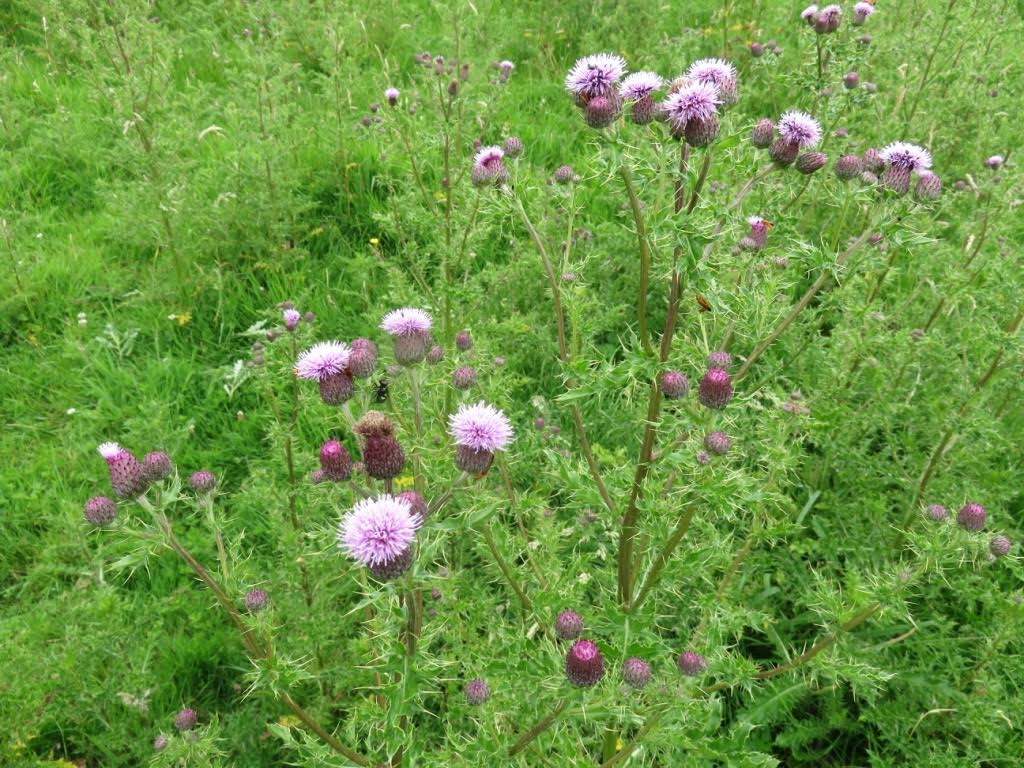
x,y
255,600
479,431
640,85
717,442
127,476
906,157
994,162
717,72
691,102
827,19
584,665
202,481
477,692
800,129
410,328
378,530
323,361
100,510
636,672
435,355
809,14
464,378
999,546
758,235
674,385
185,720
720,359
703,457
763,133
291,319
568,625
861,11
691,663
362,360
715,389
463,341
595,75
489,167
391,95
156,465
335,461
972,517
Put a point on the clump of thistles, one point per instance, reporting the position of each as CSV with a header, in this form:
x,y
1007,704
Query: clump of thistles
x,y
410,329
584,665
489,167
480,431
797,130
719,73
379,533
691,110
636,672
327,364
638,89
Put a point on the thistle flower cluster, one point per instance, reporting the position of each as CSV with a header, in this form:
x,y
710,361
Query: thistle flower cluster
x,y
690,108
129,478
900,162
971,517
786,140
823,21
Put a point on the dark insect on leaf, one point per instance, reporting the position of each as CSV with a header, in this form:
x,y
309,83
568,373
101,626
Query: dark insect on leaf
x,y
703,303
381,394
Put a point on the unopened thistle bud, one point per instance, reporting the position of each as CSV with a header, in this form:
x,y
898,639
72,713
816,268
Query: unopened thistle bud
x,y
463,341
513,146
156,466
291,319
202,481
435,355
810,162
383,457
160,743
783,152
584,665
719,359
897,179
464,378
848,167
674,385
999,546
601,111
477,692
185,720
700,133
416,503
564,175
636,672
255,600
763,133
362,360
851,80
391,569
756,50
335,461
336,389
868,179
936,512
100,510
715,389
972,517
928,187
568,625
717,442
691,663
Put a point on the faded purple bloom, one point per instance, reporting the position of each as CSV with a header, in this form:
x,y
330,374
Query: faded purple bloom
x,y
674,385
595,75
703,457
999,546
127,476
972,517
827,19
323,361
719,73
156,465
378,530
636,672
100,510
584,665
255,600
861,11
691,663
477,692
994,162
185,720
800,129
809,14
383,457
202,481
715,389
568,625
717,442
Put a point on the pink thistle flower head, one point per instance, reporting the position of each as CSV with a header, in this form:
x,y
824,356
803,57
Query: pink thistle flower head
x,y
323,361
693,102
830,16
506,66
110,451
640,85
994,162
489,157
906,157
863,9
808,13
595,75
800,129
481,427
378,530
291,319
391,94
717,72
407,321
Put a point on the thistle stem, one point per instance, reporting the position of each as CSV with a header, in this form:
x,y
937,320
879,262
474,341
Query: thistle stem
x,y
654,575
505,570
542,725
645,255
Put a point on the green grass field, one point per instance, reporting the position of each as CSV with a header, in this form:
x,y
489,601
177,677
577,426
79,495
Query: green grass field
x,y
172,171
